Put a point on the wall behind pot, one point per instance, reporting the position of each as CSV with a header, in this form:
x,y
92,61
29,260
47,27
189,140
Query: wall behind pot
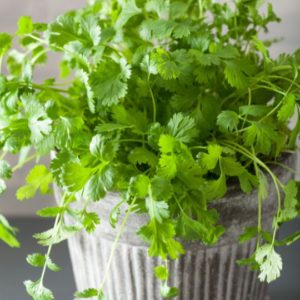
x,y
47,10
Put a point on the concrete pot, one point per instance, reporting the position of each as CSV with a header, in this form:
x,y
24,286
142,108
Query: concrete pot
x,y
203,273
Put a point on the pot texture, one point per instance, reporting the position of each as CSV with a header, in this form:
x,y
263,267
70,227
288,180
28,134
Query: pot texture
x,y
203,273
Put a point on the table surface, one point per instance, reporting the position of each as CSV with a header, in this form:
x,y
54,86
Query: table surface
x,y
14,269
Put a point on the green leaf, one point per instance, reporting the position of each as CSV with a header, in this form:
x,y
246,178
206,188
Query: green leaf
x,y
88,293
5,43
249,233
39,260
131,117
99,184
142,156
161,188
139,186
167,66
7,233
262,136
37,291
108,127
57,234
161,239
129,10
254,110
25,25
109,82
237,73
287,109
50,212
183,128
103,148
169,292
38,178
232,167
289,211
66,29
270,263
247,182
158,210
209,160
167,161
161,272
228,121
216,189
38,121
74,176
263,186
198,230
90,221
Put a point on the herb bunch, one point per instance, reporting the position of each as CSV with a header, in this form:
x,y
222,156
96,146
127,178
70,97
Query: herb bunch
x,y
161,101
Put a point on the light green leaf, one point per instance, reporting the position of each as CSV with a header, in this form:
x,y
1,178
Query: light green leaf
x,y
25,25
183,128
37,291
74,176
287,109
109,82
5,43
161,272
38,178
228,120
129,10
88,293
209,160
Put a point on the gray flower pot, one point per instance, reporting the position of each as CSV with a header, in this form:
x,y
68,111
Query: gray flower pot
x,y
203,273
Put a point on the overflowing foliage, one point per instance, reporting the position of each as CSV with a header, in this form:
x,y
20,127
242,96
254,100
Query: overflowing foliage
x,y
165,102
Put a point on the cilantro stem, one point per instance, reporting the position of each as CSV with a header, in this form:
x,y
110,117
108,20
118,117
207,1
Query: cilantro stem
x,y
20,165
276,181
3,155
259,204
200,9
153,100
58,219
114,247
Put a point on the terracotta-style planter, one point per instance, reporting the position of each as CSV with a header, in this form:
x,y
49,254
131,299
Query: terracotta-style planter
x,y
203,273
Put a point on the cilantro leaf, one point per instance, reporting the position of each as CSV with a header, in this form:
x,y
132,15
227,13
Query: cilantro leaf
x,y
5,43
25,25
287,109
161,239
74,176
270,263
38,178
228,121
88,293
37,291
109,82
183,128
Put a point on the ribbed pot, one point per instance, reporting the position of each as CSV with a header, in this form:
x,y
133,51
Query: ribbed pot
x,y
203,273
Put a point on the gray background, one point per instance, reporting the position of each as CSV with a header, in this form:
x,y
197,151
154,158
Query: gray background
x,y
13,268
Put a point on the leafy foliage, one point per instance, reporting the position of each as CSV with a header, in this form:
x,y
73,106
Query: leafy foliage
x,y
162,106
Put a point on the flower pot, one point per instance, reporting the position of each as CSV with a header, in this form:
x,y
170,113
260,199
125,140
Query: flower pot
x,y
206,273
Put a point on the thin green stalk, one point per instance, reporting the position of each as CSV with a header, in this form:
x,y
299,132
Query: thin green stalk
x,y
200,8
114,247
259,204
20,165
153,100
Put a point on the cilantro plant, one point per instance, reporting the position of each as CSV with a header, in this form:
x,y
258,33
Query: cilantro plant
x,y
162,102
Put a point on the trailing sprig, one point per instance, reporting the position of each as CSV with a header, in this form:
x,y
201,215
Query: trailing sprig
x,y
164,105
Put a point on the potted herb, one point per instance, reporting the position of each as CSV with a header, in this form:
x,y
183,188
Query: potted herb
x,y
170,126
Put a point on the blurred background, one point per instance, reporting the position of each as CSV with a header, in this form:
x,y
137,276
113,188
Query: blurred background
x,y
13,267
